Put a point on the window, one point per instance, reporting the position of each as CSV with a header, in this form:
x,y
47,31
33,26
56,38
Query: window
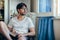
x,y
56,8
44,5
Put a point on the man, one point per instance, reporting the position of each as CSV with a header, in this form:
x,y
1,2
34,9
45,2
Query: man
x,y
21,24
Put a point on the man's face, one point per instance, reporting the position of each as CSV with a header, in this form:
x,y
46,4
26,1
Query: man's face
x,y
22,11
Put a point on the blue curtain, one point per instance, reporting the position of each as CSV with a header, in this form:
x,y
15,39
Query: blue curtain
x,y
45,5
45,28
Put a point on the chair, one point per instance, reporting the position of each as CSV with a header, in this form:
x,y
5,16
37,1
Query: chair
x,y
29,37
2,37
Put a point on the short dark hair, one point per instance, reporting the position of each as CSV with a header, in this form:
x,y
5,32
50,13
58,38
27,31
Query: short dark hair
x,y
20,5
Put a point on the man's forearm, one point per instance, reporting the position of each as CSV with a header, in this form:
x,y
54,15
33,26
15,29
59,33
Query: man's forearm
x,y
30,34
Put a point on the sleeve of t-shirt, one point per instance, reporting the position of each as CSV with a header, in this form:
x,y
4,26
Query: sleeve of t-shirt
x,y
10,24
30,24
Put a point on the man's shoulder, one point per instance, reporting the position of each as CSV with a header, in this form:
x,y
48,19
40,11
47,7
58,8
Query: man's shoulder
x,y
28,18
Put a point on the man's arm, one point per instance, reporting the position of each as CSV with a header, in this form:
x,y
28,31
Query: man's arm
x,y
31,33
12,31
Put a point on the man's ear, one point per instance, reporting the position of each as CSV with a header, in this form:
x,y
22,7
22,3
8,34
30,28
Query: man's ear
x,y
18,10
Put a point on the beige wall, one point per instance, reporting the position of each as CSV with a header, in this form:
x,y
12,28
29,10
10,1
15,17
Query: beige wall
x,y
57,28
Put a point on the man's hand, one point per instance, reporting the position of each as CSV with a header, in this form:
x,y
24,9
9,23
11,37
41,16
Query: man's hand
x,y
13,33
21,35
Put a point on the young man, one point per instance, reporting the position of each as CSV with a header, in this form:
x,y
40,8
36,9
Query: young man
x,y
21,24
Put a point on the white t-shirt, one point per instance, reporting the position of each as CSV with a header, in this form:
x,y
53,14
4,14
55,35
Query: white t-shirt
x,y
21,26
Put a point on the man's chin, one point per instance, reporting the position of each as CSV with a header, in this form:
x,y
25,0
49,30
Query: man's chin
x,y
22,14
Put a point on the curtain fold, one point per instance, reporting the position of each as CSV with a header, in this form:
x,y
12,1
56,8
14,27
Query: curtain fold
x,y
45,28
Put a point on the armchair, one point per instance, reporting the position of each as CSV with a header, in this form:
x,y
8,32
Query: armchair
x,y
29,37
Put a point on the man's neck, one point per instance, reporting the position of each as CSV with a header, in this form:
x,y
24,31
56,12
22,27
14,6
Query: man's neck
x,y
20,17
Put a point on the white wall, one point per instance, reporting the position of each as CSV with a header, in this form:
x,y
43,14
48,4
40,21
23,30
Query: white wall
x,y
27,2
13,4
6,11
